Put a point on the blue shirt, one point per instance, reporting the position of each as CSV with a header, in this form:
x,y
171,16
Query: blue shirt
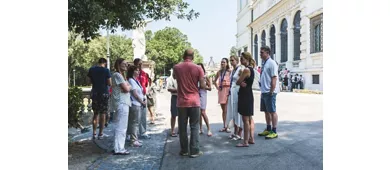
x,y
99,76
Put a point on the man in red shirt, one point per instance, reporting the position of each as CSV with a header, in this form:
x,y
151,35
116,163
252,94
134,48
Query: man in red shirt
x,y
188,76
143,79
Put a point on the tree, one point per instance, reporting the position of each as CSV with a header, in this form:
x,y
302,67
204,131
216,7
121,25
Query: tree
x,y
88,16
233,51
81,55
166,48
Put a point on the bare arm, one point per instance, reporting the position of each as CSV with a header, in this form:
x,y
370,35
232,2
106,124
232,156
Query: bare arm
x,y
125,86
109,82
215,80
246,72
273,84
170,87
202,83
208,84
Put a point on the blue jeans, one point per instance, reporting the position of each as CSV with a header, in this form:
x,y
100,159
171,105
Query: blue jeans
x,y
268,102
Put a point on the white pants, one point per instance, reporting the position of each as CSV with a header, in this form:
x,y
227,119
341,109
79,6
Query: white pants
x,y
120,123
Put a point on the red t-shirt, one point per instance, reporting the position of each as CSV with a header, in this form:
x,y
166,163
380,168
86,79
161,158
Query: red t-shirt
x,y
143,79
187,75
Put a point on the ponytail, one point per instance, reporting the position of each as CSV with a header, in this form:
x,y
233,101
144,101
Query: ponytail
x,y
252,62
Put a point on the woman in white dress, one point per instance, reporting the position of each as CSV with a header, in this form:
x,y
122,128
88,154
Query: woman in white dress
x,y
232,107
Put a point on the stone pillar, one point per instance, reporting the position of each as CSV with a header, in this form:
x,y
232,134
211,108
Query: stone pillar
x,y
268,36
290,49
277,45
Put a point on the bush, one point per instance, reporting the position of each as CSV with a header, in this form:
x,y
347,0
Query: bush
x,y
75,101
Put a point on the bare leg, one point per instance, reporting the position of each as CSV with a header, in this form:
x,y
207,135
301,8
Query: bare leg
x,y
246,129
235,129
239,132
206,120
173,121
268,118
225,115
274,120
102,121
223,106
94,122
150,108
200,124
251,130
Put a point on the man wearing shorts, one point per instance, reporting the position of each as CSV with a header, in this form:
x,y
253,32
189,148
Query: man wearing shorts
x,y
172,87
101,78
269,88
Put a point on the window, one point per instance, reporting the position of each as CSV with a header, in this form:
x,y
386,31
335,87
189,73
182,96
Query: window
x,y
272,41
297,36
316,34
256,48
263,39
316,79
283,40
245,49
239,53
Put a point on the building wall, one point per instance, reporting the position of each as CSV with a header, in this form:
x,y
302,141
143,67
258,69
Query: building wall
x,y
272,12
243,20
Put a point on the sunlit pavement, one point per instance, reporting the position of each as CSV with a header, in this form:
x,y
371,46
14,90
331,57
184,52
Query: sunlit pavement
x,y
299,145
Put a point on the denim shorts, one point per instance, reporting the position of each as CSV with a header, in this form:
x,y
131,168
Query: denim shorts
x,y
268,103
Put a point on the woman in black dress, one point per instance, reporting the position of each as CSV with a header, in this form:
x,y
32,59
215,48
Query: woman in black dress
x,y
245,98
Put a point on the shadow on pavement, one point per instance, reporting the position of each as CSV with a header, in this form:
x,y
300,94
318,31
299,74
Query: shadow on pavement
x,y
299,146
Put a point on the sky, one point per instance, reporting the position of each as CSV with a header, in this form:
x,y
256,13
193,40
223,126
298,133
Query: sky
x,y
212,33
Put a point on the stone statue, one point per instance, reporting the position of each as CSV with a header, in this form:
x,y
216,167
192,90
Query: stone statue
x,y
139,41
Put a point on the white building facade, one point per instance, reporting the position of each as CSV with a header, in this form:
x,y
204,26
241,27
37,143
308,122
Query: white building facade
x,y
292,28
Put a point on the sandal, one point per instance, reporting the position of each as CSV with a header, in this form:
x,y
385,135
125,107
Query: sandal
x,y
237,138
201,132
94,136
242,145
209,134
228,131
100,136
122,153
223,130
232,136
173,134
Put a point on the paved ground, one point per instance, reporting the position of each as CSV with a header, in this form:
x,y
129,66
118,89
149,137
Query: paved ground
x,y
299,145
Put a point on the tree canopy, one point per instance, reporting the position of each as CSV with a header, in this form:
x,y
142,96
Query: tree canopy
x,y
166,48
233,51
86,17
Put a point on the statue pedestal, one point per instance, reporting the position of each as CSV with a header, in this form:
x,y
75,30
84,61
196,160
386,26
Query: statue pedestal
x,y
148,67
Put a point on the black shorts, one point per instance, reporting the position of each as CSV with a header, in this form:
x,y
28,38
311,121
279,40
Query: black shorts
x,y
100,103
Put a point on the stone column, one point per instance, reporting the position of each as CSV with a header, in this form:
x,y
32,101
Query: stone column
x,y
290,49
268,36
277,46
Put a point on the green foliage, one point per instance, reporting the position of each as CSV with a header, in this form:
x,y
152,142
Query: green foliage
x,y
75,101
233,51
87,16
166,48
82,55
